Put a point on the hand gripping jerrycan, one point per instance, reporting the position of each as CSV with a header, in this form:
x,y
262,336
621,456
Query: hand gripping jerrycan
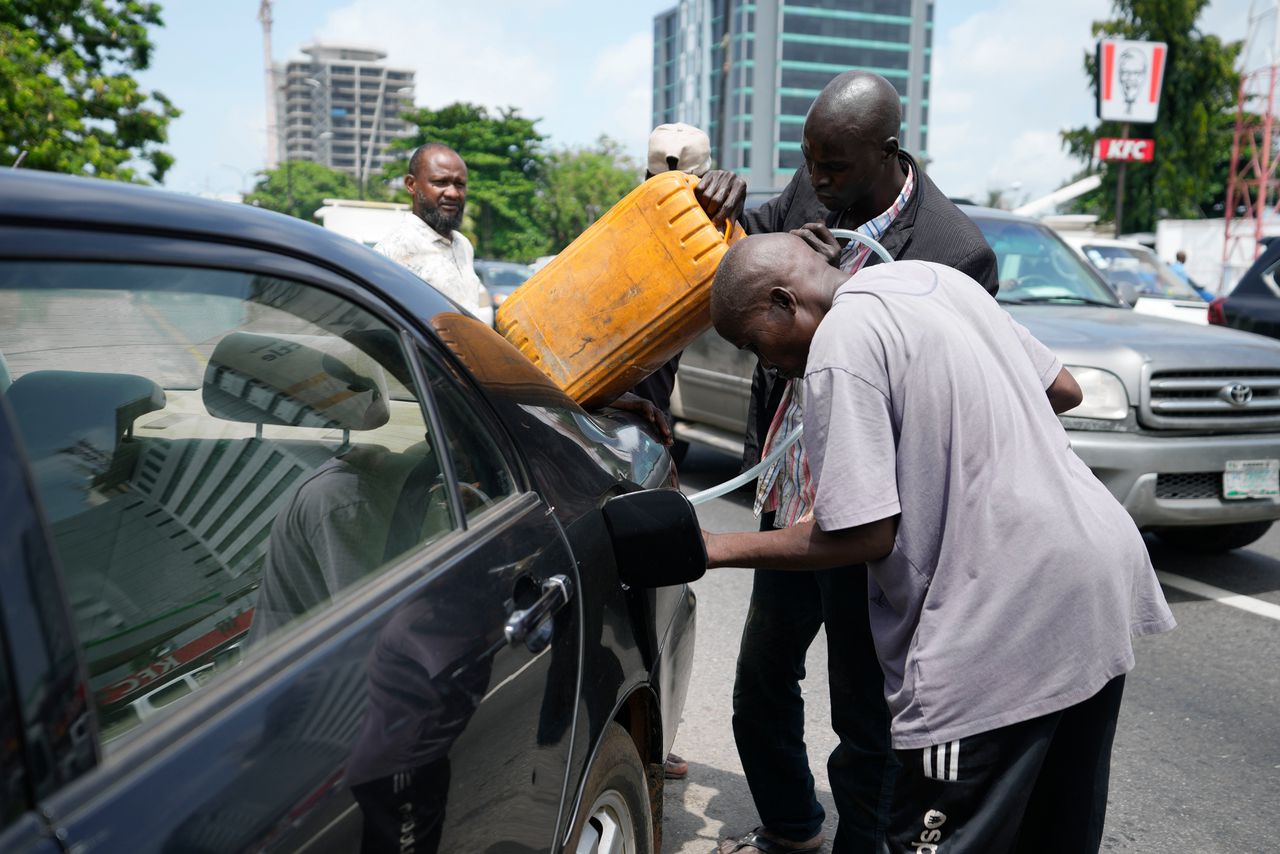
x,y
631,292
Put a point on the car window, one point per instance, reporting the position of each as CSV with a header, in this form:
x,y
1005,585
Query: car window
x,y
1035,266
1140,268
483,470
219,456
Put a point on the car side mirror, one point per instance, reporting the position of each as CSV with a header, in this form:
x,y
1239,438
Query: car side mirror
x,y
656,538
1128,292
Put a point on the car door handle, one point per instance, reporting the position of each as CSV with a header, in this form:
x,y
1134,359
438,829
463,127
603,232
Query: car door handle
x,y
531,625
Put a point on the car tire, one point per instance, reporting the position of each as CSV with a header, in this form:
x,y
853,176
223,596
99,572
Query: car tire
x,y
614,813
1213,539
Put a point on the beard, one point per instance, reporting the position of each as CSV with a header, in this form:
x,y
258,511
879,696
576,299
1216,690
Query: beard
x,y
432,216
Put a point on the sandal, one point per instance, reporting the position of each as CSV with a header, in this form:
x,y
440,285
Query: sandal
x,y
675,768
754,841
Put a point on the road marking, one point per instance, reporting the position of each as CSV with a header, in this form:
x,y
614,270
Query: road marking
x,y
176,334
1217,594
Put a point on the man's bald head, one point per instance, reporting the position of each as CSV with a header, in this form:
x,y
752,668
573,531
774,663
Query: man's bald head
x,y
856,103
851,145
769,295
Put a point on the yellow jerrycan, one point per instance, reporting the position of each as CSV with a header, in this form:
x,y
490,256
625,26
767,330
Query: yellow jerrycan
x,y
631,292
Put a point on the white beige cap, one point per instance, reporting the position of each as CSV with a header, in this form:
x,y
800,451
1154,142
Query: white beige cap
x,y
679,147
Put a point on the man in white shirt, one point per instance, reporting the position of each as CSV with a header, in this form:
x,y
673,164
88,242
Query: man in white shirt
x,y
427,240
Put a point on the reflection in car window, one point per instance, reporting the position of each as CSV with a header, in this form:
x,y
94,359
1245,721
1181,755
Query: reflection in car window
x,y
218,455
13,771
1035,266
484,475
1141,268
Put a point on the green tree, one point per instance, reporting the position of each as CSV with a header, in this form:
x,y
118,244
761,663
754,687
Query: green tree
x,y
1193,132
299,188
67,94
504,157
580,184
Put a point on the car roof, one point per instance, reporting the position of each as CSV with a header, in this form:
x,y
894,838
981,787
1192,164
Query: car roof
x,y
979,212
29,198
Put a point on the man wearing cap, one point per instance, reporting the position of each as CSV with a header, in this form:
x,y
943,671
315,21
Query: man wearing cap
x,y
672,148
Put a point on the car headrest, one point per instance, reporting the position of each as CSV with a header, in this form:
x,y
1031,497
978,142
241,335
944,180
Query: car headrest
x,y
60,410
295,380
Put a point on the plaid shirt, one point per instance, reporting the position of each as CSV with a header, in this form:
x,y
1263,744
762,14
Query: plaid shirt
x,y
786,487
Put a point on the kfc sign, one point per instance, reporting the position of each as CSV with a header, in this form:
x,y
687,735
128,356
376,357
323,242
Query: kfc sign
x,y
1129,79
1136,150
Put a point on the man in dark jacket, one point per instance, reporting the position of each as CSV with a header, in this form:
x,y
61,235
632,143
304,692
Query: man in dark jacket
x,y
855,177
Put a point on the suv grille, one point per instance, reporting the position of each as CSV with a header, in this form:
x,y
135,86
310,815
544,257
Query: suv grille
x,y
1188,400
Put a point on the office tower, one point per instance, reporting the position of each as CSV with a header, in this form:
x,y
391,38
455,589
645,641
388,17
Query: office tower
x,y
341,107
746,71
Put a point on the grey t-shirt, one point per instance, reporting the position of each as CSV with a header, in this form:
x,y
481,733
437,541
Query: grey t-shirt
x,y
1016,579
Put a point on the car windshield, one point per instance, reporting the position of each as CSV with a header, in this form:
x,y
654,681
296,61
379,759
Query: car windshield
x,y
1037,267
1141,268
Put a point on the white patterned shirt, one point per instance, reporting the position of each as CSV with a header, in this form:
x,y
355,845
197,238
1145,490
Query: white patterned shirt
x,y
446,264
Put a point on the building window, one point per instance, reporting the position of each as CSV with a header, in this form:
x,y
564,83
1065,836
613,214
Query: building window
x,y
845,27
846,55
900,8
807,78
790,158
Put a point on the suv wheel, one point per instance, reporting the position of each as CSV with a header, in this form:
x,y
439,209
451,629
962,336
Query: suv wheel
x,y
1213,539
614,816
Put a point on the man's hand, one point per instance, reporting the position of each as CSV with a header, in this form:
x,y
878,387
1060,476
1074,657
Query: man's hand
x,y
820,240
803,546
722,195
645,409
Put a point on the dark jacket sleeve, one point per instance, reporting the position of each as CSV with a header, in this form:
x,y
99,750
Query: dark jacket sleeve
x,y
754,440
980,265
769,217
790,209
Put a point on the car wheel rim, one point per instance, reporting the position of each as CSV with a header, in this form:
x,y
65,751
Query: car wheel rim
x,y
610,829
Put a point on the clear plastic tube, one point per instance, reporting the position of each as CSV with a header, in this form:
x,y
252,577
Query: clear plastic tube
x,y
778,450
748,475
859,237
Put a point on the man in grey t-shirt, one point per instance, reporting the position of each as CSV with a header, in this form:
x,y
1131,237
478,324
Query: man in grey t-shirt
x,y
1005,582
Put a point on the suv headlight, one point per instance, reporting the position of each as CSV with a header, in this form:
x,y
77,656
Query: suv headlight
x,y
1104,395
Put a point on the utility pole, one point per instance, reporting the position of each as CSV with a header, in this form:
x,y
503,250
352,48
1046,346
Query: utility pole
x,y
264,17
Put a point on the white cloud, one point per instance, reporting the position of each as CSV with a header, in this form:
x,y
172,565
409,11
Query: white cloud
x,y
1008,78
621,77
460,51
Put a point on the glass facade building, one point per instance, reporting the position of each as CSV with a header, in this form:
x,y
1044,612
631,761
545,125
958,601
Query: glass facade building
x,y
746,71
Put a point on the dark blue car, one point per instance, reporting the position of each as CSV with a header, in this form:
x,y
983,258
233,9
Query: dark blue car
x,y
295,555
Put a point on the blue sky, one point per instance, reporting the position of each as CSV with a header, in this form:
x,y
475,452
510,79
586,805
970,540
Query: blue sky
x,y
1007,75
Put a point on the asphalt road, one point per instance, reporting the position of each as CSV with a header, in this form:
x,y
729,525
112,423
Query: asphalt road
x,y
1196,766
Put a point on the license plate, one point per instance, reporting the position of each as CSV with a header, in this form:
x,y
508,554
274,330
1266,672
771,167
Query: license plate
x,y
1251,479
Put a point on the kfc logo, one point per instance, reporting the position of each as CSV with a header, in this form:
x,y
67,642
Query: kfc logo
x,y
1129,78
1133,150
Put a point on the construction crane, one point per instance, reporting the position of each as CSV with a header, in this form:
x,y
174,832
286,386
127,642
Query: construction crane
x,y
1253,188
273,144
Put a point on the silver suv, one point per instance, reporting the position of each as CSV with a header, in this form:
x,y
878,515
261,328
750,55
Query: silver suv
x,y
1182,423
